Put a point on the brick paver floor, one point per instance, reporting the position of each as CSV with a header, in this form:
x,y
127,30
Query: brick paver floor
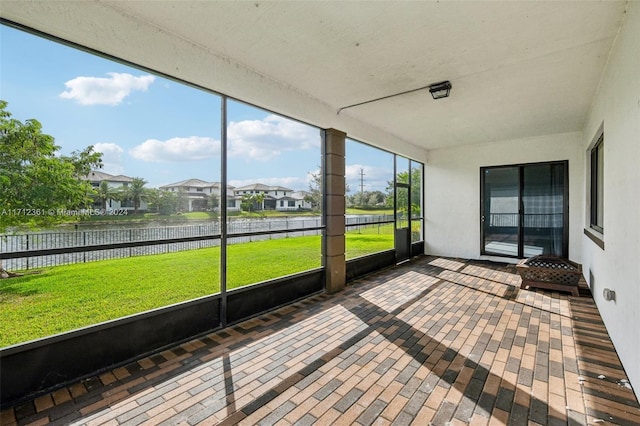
x,y
433,341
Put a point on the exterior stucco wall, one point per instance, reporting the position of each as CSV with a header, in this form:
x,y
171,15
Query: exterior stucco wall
x,y
617,108
452,190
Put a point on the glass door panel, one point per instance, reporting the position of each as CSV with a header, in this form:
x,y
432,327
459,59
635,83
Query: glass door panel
x,y
500,212
543,199
402,234
403,210
416,202
524,210
402,207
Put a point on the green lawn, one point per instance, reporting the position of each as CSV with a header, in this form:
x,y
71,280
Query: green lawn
x,y
381,211
68,297
249,263
367,239
64,298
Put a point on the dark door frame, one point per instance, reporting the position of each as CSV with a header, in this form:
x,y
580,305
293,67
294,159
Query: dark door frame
x,y
402,235
565,210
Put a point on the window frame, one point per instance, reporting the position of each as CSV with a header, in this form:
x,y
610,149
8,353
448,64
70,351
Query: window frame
x,y
596,208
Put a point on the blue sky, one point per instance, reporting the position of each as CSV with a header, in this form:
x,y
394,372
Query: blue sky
x,y
163,131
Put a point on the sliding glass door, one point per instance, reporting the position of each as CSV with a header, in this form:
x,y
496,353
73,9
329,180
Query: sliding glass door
x,y
501,208
543,202
524,210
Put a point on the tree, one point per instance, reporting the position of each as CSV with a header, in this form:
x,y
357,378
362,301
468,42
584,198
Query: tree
x,y
376,198
213,202
37,187
168,203
366,199
136,192
106,193
154,198
162,202
182,201
84,161
416,184
315,190
251,202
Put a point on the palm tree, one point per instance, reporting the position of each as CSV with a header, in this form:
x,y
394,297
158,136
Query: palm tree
x,y
259,201
136,192
252,201
154,199
105,193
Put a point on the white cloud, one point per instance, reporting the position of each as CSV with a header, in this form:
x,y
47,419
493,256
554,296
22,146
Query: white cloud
x,y
266,139
260,140
111,157
105,91
192,148
375,178
295,183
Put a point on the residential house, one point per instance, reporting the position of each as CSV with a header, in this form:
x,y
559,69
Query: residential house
x,y
199,195
298,200
117,183
274,197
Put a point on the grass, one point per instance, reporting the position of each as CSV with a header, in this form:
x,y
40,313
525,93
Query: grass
x,y
367,239
155,217
272,213
198,215
264,260
382,211
67,297
64,298
130,217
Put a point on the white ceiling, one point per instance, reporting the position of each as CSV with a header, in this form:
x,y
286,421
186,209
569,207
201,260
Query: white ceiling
x,y
518,69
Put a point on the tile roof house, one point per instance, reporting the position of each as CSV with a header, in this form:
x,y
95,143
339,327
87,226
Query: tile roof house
x,y
198,193
116,183
274,197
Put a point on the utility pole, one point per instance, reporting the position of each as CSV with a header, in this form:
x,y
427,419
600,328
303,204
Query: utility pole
x,y
361,183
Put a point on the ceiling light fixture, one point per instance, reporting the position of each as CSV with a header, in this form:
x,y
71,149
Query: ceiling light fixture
x,y
440,90
437,90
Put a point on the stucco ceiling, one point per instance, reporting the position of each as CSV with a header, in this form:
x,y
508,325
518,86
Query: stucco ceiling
x,y
518,69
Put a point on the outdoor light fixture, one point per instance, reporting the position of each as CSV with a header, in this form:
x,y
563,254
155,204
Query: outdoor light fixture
x,y
437,90
440,90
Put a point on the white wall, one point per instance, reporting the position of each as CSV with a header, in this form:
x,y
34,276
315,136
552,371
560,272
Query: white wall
x,y
617,108
452,189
